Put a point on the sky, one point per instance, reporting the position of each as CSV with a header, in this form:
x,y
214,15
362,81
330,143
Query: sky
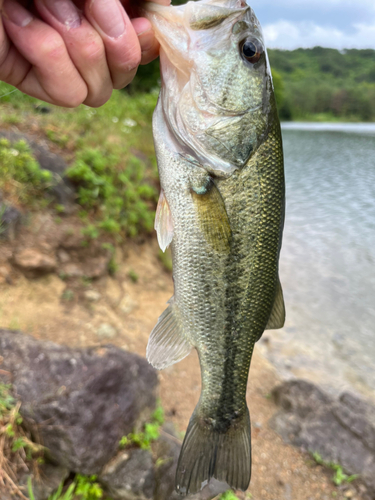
x,y
340,24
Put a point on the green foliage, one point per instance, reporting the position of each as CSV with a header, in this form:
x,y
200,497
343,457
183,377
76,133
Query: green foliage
x,y
228,495
20,172
7,401
151,432
133,276
339,477
67,295
121,197
87,487
83,487
324,83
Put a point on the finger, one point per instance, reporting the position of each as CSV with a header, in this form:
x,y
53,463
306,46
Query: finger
x,y
162,2
4,41
84,45
120,40
149,44
38,62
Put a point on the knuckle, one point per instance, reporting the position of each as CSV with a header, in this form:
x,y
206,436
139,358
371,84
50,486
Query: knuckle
x,y
93,52
52,47
130,60
133,61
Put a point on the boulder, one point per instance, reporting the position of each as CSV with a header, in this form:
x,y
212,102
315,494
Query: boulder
x,y
82,400
130,476
10,219
33,263
341,431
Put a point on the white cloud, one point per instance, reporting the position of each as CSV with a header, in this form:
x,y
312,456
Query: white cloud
x,y
288,35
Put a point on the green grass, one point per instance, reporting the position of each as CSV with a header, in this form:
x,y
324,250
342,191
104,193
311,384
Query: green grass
x,y
150,433
82,488
110,154
228,495
21,173
339,477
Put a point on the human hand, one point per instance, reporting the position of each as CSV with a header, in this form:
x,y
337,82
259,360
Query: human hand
x,y
70,52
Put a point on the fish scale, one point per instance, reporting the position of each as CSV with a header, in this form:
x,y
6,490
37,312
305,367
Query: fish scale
x,y
219,151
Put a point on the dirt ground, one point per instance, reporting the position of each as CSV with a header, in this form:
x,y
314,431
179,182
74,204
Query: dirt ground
x,y
123,311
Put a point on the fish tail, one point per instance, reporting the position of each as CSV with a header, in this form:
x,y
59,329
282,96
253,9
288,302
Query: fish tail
x,y
207,453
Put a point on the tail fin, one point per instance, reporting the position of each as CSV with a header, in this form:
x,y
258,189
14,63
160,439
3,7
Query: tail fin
x,y
207,453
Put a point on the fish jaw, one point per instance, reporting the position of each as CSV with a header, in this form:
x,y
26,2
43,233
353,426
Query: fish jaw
x,y
215,103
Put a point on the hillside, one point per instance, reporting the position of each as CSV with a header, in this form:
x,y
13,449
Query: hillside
x,y
325,84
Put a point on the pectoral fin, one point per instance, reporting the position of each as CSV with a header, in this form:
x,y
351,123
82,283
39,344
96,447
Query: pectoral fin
x,y
163,222
213,218
277,317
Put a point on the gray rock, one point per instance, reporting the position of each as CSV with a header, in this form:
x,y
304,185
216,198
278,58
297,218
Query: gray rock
x,y
92,295
49,478
130,476
10,219
341,431
32,262
167,449
83,400
106,331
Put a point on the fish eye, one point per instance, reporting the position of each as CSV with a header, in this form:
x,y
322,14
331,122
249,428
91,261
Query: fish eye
x,y
251,50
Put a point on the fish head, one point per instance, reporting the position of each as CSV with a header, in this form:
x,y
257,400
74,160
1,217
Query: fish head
x,y
217,90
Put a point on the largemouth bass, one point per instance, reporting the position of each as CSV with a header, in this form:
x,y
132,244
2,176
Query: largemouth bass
x,y
219,152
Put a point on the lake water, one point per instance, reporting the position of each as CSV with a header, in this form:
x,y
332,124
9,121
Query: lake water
x,y
327,264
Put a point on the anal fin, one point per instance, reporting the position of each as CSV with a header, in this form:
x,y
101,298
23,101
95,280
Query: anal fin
x,y
167,344
277,316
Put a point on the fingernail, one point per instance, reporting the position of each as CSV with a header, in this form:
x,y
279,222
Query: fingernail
x,y
65,12
16,14
146,40
109,16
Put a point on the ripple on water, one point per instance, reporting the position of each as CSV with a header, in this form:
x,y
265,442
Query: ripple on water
x,y
328,258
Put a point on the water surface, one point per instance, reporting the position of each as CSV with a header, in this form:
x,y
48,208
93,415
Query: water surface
x,y
328,258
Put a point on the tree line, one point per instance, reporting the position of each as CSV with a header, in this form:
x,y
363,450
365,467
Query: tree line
x,y
324,83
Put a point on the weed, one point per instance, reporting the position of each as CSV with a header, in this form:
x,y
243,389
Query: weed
x,y
91,231
133,276
17,451
59,208
151,432
339,477
112,265
67,295
21,173
87,487
228,495
14,324
83,487
120,197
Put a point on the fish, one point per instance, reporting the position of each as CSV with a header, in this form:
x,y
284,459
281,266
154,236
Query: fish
x,y
221,209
